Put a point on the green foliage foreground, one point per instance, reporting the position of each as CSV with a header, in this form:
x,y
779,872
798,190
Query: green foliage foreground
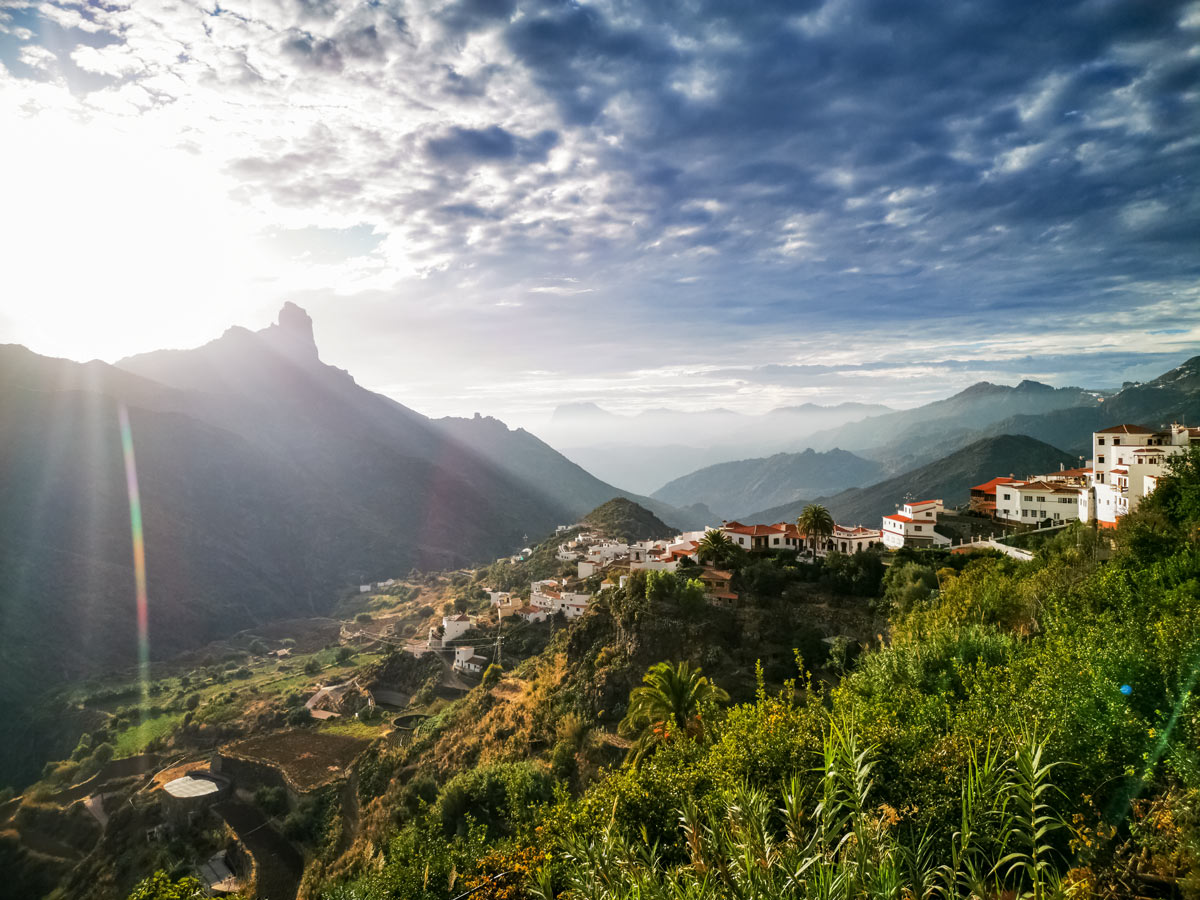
x,y
1022,730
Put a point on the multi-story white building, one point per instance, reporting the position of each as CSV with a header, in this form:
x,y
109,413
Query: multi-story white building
x,y
1127,461
912,525
454,627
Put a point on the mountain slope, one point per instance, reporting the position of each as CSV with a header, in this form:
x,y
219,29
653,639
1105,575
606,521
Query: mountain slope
x,y
268,481
1171,397
899,433
949,478
734,488
533,461
625,520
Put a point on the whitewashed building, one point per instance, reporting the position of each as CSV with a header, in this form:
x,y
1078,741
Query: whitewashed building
x,y
912,525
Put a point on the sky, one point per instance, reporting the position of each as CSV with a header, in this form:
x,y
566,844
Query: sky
x,y
501,206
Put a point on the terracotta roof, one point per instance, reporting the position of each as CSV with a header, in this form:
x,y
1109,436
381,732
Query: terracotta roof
x,y
1047,486
899,517
461,617
722,595
921,502
754,530
1125,429
717,574
529,609
989,487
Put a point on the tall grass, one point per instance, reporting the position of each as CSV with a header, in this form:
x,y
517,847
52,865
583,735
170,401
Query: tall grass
x,y
830,840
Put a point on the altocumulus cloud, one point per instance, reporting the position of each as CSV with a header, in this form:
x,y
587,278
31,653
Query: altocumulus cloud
x,y
771,179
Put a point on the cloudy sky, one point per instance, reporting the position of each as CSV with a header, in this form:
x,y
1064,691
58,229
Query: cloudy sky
x,y
499,206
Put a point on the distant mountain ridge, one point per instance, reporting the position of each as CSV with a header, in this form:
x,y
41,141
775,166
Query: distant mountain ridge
x,y
949,478
733,489
644,451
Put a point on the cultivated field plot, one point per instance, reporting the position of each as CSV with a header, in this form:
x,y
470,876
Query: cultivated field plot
x,y
308,759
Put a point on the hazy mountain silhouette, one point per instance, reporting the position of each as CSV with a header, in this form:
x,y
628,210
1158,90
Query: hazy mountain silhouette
x,y
733,489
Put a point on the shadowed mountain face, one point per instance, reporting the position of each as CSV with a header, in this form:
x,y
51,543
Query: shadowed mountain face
x,y
268,481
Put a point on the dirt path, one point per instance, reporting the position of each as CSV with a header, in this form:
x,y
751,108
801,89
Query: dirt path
x,y
279,864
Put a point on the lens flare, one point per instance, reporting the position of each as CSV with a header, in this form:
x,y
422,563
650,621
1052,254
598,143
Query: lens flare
x,y
139,556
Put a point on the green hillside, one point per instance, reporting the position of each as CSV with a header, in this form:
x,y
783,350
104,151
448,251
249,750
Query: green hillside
x,y
625,520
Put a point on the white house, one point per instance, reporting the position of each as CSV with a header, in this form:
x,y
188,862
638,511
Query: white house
x,y
552,596
454,627
851,540
912,525
1035,501
364,588
532,613
499,598
466,660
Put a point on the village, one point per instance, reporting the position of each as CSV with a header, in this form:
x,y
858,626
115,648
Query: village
x,y
1127,461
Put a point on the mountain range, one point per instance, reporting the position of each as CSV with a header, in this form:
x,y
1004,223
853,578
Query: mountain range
x,y
733,489
949,478
642,452
268,481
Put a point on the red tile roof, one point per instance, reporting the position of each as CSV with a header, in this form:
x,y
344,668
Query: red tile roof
x,y
900,517
989,487
753,530
1125,429
916,503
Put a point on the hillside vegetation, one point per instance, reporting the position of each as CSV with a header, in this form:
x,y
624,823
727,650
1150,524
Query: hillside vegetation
x,y
625,520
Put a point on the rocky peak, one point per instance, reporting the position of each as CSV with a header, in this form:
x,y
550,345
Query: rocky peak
x,y
292,333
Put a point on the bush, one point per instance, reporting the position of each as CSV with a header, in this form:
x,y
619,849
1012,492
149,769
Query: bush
x,y
312,667
103,753
345,654
271,800
298,715
491,675
363,617
500,797
192,702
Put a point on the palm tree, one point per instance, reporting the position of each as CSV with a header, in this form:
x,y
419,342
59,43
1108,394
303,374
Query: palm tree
x,y
714,547
672,700
816,523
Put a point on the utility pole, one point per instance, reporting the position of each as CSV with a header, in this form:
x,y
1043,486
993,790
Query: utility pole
x,y
499,628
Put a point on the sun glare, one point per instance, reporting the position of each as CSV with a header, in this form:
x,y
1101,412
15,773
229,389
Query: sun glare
x,y
113,246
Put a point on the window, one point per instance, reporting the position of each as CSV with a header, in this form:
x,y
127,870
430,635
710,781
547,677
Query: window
x,y
1100,460
1028,498
1116,442
916,528
1041,499
1100,441
1008,496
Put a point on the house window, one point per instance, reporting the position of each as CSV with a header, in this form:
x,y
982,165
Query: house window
x,y
1041,499
916,528
1008,496
1116,442
1100,460
1028,498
